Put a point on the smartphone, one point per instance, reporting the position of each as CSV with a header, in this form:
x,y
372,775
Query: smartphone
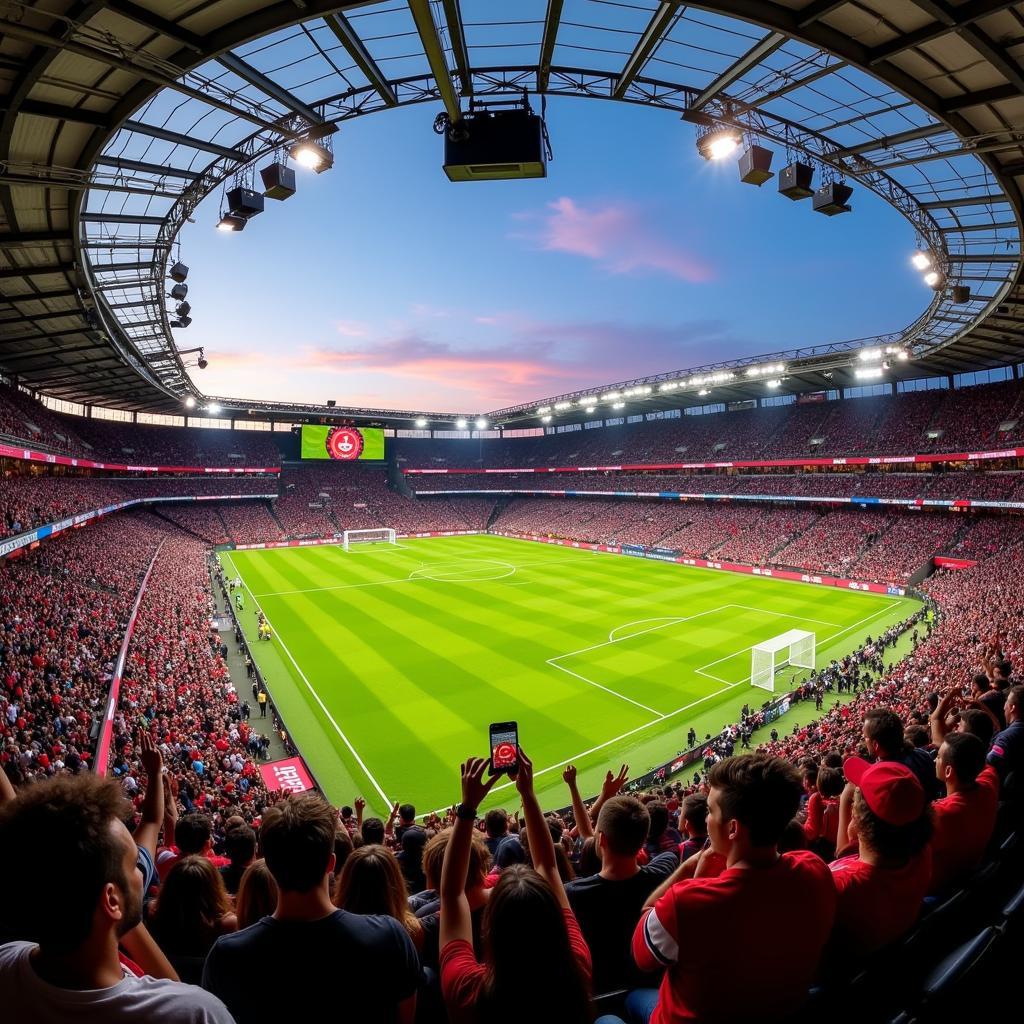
x,y
504,745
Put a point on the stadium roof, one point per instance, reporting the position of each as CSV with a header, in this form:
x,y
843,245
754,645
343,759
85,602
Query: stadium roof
x,y
120,117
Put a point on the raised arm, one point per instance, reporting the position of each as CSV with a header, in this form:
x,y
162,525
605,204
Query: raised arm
x,y
584,826
389,827
6,787
456,921
148,832
542,846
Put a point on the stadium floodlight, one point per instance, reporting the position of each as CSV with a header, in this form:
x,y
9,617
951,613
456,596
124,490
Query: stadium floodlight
x,y
481,423
229,222
213,408
543,409
561,406
546,419
618,405
278,181
183,309
312,156
244,202
201,361
182,322
590,408
460,424
903,355
867,355
703,393
921,260
178,272
774,382
190,402
935,280
420,422
718,143
756,166
869,373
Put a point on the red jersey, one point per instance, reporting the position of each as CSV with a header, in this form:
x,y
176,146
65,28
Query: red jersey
x,y
878,905
795,897
462,975
964,824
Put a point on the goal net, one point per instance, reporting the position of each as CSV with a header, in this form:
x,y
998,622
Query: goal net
x,y
794,649
382,536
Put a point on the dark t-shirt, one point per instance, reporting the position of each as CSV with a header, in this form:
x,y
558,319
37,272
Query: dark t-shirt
x,y
369,958
1007,750
430,953
607,912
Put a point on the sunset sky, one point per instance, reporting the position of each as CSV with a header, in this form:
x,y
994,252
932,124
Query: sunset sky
x,y
381,283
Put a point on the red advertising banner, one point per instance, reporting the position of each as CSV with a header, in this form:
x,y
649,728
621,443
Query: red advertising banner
x,y
291,775
27,454
851,460
942,562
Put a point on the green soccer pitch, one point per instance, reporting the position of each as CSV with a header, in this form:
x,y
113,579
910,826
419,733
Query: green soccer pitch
x,y
388,662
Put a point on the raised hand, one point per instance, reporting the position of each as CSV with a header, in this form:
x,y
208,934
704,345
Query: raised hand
x,y
613,783
569,775
150,756
360,804
474,785
524,777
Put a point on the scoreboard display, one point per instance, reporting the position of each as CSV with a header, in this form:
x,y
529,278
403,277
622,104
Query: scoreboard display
x,y
346,444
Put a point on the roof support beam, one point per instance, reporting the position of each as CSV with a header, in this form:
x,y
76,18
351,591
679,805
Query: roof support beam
x,y
22,238
978,227
992,257
269,87
72,45
977,99
142,167
9,273
457,39
147,19
121,218
56,112
889,141
431,42
994,54
658,27
177,139
42,336
55,293
947,20
53,350
35,317
356,48
111,268
820,9
754,56
949,204
552,19
797,83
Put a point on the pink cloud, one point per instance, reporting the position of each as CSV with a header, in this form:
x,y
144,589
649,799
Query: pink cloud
x,y
619,237
351,328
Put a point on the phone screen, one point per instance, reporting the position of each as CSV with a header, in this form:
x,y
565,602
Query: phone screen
x,y
504,747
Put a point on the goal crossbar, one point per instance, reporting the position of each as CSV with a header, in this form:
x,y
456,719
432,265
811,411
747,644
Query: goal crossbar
x,y
794,648
384,535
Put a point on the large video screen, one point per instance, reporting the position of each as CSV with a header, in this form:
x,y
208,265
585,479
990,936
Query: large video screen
x,y
345,443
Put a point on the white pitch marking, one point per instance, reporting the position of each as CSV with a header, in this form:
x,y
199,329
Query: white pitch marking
x,y
316,697
784,615
553,662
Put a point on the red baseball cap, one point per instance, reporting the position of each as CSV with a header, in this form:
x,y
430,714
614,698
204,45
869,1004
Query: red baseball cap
x,y
891,790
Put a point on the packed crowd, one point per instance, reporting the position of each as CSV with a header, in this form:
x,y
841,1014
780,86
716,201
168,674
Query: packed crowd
x,y
836,833
978,486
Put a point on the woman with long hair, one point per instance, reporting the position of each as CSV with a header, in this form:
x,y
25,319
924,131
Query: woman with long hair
x,y
257,894
192,911
535,957
371,883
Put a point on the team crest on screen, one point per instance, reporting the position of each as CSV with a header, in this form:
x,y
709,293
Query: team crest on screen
x,y
344,443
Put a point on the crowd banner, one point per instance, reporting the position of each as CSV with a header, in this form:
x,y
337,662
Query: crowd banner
x,y
945,562
290,775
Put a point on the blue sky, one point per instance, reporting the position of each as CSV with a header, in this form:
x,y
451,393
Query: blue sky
x,y
382,283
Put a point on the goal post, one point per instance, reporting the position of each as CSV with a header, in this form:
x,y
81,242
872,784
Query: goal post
x,y
794,649
384,535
